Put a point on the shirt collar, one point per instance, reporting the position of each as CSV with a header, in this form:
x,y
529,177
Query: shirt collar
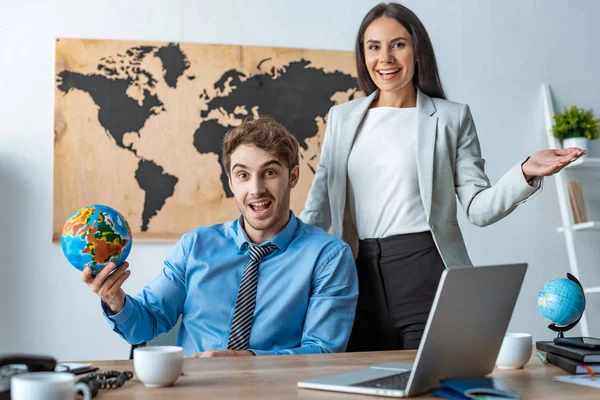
x,y
281,240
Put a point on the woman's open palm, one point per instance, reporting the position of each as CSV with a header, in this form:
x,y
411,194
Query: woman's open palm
x,y
549,162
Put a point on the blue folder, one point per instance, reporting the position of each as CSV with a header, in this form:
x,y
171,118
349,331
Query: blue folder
x,y
475,388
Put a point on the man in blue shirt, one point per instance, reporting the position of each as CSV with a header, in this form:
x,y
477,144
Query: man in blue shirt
x,y
265,283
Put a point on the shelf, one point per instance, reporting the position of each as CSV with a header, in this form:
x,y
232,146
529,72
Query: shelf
x,y
584,226
582,165
586,162
595,289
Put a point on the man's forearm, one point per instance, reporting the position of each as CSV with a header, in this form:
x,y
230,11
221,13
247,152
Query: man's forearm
x,y
308,348
133,323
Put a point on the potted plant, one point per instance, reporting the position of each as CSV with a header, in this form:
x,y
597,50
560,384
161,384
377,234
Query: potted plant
x,y
575,127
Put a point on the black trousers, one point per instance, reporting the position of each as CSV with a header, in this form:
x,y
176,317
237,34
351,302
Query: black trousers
x,y
397,280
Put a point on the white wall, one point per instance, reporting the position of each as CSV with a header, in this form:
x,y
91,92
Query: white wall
x,y
493,55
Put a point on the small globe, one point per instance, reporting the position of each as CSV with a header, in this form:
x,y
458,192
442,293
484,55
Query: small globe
x,y
96,235
561,301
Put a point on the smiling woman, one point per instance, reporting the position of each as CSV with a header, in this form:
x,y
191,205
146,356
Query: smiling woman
x,y
392,165
392,38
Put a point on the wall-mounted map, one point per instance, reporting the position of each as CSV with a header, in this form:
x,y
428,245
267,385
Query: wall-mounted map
x,y
139,125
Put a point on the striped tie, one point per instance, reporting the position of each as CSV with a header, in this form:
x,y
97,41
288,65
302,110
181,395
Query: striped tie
x,y
246,299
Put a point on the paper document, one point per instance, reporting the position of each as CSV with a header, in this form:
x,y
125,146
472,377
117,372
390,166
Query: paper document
x,y
584,380
67,367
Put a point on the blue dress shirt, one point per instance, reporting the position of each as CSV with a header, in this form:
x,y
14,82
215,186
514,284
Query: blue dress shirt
x,y
305,301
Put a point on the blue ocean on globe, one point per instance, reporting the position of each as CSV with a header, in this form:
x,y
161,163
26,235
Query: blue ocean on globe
x,y
96,235
561,301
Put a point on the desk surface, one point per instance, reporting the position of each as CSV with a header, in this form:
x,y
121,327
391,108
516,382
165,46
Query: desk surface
x,y
275,377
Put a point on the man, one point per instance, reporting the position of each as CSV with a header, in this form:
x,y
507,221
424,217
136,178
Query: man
x,y
265,283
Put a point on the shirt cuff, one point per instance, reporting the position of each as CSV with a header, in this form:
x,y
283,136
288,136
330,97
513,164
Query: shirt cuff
x,y
531,185
521,190
262,352
534,182
123,315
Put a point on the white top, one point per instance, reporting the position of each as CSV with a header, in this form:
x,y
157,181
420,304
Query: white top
x,y
382,175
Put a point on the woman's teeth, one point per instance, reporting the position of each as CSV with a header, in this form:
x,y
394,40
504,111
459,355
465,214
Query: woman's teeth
x,y
388,72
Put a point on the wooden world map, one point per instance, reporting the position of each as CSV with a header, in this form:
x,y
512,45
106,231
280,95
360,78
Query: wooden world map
x,y
139,125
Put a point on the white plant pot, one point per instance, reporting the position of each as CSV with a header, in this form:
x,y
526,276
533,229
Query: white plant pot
x,y
580,142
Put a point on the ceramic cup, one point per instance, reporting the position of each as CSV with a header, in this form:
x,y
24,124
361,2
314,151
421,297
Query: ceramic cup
x,y
157,366
515,351
47,386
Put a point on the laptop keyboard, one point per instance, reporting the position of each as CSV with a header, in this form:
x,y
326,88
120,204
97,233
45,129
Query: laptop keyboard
x,y
398,381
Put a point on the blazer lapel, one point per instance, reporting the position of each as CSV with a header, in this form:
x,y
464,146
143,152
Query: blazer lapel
x,y
349,128
426,135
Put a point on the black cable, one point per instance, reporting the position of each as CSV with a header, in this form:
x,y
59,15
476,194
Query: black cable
x,y
106,380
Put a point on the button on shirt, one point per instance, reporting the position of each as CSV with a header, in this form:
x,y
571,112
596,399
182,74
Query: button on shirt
x,y
305,301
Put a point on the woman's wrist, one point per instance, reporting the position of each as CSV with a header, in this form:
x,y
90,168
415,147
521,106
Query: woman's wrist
x,y
528,178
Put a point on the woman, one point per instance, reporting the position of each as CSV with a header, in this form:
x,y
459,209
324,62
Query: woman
x,y
392,165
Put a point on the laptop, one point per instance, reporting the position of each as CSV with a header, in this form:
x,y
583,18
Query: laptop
x,y
468,319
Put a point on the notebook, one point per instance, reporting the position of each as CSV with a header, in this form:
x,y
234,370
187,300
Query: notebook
x,y
542,345
574,353
475,388
571,366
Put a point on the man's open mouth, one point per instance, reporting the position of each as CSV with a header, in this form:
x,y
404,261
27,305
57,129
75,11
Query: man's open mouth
x,y
260,206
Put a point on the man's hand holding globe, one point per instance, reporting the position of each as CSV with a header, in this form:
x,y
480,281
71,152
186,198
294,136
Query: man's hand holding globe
x,y
96,239
107,284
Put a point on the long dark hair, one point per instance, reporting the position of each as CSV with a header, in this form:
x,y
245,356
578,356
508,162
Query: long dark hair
x,y
427,77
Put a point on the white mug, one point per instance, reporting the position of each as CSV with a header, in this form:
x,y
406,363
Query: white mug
x,y
515,351
157,366
47,386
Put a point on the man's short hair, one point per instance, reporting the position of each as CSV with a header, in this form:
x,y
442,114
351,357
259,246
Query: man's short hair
x,y
265,133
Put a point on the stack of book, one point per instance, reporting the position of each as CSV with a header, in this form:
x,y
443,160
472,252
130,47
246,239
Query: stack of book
x,y
577,203
574,360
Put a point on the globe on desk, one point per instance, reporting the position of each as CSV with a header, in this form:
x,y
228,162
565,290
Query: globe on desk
x,y
562,302
96,235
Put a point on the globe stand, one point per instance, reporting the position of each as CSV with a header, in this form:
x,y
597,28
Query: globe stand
x,y
562,329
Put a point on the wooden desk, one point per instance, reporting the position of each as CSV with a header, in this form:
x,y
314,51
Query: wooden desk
x,y
275,377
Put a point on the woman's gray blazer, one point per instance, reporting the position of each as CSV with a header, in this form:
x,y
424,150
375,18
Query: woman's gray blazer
x,y
449,166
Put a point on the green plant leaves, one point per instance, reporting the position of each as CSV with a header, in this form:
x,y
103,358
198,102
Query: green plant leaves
x,y
575,122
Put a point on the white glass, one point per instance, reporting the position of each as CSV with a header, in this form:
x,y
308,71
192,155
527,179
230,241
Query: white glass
x,y
157,366
515,351
47,386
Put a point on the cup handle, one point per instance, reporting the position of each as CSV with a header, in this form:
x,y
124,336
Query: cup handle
x,y
80,386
